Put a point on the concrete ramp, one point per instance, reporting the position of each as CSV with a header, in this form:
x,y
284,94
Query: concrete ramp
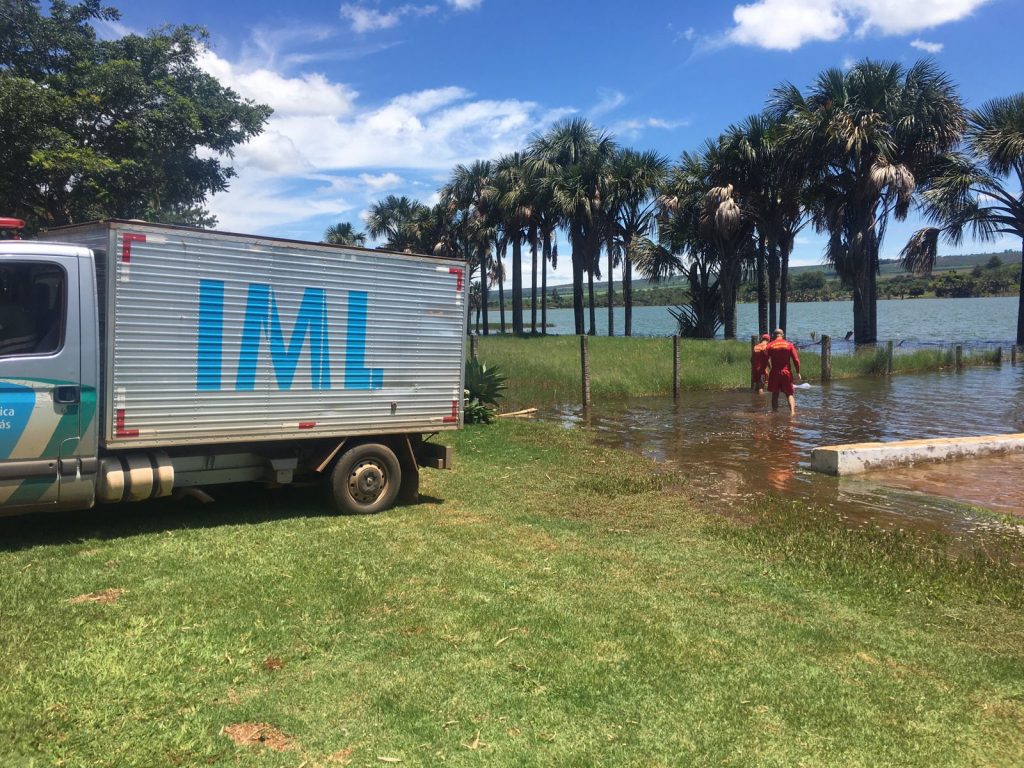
x,y
855,458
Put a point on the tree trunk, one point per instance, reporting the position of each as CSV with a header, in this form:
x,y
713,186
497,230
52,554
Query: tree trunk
x,y
627,288
517,284
873,298
593,310
1020,301
544,284
483,287
762,292
578,258
609,245
727,280
501,289
783,290
533,282
773,286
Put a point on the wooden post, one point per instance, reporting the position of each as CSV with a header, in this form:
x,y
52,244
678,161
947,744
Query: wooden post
x,y
472,345
1013,354
958,356
585,364
999,356
888,357
753,377
826,359
675,368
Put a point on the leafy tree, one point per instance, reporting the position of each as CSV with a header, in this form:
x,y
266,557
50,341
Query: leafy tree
x,y
868,137
92,128
344,233
979,190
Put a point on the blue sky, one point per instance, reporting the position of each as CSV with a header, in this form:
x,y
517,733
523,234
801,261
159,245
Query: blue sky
x,y
376,98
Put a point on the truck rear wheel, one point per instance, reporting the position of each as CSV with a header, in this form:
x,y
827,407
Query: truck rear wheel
x,y
365,480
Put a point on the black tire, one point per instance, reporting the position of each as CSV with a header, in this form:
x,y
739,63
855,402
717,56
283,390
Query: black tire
x,y
365,480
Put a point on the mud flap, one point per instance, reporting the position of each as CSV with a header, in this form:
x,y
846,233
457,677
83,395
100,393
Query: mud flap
x,y
409,492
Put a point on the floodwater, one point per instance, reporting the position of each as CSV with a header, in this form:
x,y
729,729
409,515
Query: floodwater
x,y
732,447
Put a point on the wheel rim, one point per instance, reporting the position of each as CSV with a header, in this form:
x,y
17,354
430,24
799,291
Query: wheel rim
x,y
367,482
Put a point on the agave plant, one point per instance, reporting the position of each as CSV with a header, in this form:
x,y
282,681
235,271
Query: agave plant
x,y
484,388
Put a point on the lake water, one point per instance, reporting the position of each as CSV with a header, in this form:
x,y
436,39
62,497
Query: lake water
x,y
916,322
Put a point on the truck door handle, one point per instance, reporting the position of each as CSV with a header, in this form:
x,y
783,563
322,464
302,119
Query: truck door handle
x,y
67,394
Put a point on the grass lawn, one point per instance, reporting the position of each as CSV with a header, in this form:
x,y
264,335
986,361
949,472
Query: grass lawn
x,y
548,603
546,369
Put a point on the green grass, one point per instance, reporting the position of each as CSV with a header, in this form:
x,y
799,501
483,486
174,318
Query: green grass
x,y
549,603
546,369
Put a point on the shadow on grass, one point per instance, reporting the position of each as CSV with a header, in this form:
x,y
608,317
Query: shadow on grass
x,y
244,504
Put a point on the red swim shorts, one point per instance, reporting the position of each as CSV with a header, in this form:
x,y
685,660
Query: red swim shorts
x,y
781,381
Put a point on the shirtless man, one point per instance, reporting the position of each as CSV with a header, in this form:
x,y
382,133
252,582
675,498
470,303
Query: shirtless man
x,y
780,379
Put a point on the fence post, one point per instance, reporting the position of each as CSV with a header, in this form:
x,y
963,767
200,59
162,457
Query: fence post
x,y
888,357
753,377
585,364
958,356
675,367
472,345
826,359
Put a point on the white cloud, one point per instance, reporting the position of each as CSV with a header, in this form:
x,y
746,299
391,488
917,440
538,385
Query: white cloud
x,y
630,129
464,5
307,94
848,62
789,24
610,101
924,45
382,181
322,147
367,19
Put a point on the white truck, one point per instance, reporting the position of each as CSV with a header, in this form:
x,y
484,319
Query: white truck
x,y
141,360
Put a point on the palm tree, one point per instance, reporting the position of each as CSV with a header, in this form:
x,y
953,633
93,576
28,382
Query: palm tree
x,y
869,136
682,248
511,190
971,191
771,185
468,198
344,233
722,221
392,219
635,178
572,156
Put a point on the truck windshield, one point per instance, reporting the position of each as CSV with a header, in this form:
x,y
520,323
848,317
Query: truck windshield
x,y
32,299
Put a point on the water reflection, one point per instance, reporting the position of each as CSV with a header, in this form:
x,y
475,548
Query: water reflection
x,y
733,447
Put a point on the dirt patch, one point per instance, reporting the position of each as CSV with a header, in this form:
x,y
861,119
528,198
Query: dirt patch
x,y
272,664
341,757
257,735
105,596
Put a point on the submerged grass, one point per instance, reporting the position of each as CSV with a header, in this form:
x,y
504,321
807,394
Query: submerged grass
x,y
546,369
549,603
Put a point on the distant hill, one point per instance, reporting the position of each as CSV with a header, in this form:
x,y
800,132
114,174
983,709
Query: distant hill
x,y
887,267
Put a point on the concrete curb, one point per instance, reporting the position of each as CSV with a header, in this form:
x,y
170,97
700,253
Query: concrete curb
x,y
855,458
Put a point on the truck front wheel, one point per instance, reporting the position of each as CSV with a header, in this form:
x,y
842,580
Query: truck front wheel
x,y
365,480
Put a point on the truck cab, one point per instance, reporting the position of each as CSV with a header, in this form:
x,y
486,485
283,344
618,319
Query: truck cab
x,y
48,371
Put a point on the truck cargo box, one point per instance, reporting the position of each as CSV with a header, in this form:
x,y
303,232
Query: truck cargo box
x,y
211,337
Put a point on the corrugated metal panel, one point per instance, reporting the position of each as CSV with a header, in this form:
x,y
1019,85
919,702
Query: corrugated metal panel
x,y
298,340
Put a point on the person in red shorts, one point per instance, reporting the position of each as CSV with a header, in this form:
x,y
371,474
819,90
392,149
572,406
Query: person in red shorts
x,y
780,354
759,362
